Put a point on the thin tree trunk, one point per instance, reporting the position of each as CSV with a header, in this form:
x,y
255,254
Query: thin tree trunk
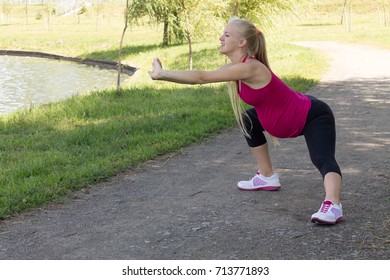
x,y
236,7
379,17
118,82
188,36
166,34
343,13
350,17
189,49
26,13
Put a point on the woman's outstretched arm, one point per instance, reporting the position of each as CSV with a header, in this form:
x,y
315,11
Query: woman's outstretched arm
x,y
230,72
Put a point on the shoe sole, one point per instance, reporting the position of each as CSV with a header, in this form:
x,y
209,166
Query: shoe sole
x,y
323,222
267,188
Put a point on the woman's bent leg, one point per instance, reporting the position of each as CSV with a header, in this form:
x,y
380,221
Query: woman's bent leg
x,y
263,160
258,142
265,179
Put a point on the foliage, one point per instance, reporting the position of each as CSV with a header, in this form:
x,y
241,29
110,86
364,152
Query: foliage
x,y
82,11
195,12
166,12
202,18
260,12
195,26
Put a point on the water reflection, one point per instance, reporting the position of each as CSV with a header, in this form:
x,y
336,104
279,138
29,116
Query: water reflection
x,y
25,81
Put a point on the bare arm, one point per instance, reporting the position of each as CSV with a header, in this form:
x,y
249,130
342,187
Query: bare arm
x,y
230,72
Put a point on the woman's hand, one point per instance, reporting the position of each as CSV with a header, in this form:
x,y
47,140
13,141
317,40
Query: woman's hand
x,y
156,69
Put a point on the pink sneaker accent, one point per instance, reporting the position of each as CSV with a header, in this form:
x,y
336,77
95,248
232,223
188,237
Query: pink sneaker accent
x,y
260,183
328,214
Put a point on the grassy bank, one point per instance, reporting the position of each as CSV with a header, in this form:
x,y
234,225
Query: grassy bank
x,y
46,152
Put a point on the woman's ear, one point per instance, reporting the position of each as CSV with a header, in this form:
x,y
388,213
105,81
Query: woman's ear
x,y
242,43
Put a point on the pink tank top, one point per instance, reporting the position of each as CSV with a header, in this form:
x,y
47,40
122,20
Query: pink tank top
x,y
282,111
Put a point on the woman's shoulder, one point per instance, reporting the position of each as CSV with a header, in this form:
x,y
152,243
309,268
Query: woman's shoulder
x,y
253,62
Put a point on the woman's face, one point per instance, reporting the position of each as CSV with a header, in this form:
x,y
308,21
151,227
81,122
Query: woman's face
x,y
229,40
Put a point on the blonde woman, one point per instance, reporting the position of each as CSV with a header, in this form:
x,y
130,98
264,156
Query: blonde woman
x,y
277,110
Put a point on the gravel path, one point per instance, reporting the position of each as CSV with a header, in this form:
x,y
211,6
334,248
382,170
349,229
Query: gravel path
x,y
186,205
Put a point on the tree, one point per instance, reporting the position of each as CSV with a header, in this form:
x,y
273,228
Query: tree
x,y
190,20
47,11
260,12
183,20
7,8
166,12
201,19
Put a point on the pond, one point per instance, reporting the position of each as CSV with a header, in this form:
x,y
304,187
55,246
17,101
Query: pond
x,y
28,81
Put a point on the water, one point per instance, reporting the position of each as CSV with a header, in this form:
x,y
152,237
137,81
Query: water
x,y
27,81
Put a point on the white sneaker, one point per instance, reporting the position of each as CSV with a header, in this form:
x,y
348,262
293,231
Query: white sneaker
x,y
260,183
329,213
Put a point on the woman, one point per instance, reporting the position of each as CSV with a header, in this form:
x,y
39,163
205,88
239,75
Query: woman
x,y
277,109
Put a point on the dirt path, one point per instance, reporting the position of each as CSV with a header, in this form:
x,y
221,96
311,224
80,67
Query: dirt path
x,y
186,206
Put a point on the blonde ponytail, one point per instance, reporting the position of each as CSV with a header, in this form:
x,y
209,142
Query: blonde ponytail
x,y
237,106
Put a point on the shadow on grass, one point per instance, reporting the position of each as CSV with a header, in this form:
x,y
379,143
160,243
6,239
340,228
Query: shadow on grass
x,y
112,54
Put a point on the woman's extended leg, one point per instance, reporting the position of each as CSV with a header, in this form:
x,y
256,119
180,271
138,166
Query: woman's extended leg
x,y
320,135
331,210
332,185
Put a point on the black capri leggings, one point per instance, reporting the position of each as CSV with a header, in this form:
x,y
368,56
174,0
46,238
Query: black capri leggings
x,y
319,133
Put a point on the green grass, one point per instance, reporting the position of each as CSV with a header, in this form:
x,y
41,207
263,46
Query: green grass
x,y
49,151
322,22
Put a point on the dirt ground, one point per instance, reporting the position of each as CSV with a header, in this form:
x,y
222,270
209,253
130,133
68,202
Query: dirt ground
x,y
186,205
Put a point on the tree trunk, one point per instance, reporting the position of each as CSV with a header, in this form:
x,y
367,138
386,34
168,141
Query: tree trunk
x,y
26,13
343,13
188,34
379,16
350,17
236,7
118,82
166,34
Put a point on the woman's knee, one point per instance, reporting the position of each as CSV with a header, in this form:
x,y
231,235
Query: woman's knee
x,y
326,165
254,129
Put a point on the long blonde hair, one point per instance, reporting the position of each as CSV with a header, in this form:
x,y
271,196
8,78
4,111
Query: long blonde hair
x,y
256,48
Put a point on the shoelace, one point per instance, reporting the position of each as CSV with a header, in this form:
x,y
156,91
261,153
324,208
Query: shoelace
x,y
325,207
